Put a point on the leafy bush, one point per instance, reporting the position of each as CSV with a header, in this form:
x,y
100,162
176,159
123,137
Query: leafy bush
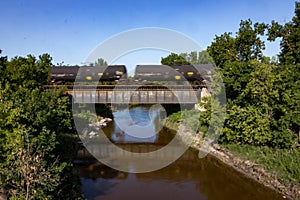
x,y
33,163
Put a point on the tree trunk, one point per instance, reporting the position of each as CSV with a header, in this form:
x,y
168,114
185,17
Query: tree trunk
x,y
299,136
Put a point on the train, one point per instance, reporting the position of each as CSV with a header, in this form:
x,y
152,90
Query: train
x,y
117,73
167,73
66,74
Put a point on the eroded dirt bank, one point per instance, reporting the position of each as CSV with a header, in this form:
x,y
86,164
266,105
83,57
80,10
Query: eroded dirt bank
x,y
247,167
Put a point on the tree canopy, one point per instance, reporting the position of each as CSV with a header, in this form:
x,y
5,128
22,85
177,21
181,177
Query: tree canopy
x,y
263,94
174,59
34,123
100,62
193,57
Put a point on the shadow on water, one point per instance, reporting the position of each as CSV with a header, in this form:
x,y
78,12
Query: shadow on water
x,y
187,178
96,175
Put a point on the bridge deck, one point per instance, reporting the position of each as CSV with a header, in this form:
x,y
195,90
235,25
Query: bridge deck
x,y
134,94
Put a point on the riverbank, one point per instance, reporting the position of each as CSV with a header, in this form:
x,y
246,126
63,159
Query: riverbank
x,y
248,167
96,126
256,171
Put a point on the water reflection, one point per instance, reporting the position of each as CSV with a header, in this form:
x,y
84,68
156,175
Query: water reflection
x,y
138,124
187,178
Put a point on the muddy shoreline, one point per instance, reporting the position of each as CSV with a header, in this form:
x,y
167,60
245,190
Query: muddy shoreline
x,y
255,172
246,167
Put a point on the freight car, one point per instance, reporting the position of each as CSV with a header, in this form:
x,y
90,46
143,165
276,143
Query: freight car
x,y
114,73
110,73
63,74
167,73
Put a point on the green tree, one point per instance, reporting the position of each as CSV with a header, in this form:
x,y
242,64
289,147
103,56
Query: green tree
x,y
289,68
290,44
245,46
290,98
223,49
204,58
28,72
174,59
289,34
201,57
260,108
263,95
100,62
3,61
33,125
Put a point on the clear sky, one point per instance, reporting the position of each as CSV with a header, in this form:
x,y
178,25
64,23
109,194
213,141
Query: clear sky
x,y
70,29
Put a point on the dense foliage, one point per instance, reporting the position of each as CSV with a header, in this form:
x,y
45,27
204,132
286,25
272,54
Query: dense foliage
x,y
262,93
201,57
174,59
35,133
193,57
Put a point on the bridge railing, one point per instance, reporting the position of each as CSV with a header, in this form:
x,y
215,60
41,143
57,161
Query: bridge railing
x,y
134,94
126,87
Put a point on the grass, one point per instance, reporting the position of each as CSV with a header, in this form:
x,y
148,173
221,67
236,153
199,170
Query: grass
x,y
190,118
285,163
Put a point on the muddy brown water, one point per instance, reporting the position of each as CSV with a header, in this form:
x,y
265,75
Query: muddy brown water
x,y
188,178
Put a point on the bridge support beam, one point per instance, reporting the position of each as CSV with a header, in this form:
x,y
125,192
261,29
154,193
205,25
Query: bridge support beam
x,y
138,96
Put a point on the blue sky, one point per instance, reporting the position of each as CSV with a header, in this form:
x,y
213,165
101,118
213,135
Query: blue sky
x,y
70,29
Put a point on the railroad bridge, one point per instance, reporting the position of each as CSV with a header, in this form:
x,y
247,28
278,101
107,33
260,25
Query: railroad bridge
x,y
135,94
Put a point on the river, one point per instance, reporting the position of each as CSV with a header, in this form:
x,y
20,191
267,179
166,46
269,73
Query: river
x,y
188,178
